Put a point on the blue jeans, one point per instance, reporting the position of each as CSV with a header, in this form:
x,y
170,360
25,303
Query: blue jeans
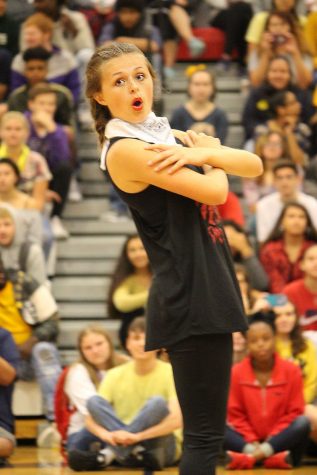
x,y
152,413
293,438
45,367
116,203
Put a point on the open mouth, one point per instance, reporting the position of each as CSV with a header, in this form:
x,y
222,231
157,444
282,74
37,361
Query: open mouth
x,y
137,104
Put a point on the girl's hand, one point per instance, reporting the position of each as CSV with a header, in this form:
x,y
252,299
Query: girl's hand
x,y
192,139
175,157
291,45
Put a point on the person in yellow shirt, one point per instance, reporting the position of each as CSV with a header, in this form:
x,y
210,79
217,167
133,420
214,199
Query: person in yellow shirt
x,y
136,415
292,345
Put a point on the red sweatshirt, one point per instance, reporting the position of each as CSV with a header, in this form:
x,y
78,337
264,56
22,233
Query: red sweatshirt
x,y
258,413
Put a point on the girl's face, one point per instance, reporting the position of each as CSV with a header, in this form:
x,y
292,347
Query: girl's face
x,y
285,319
294,221
96,350
126,88
284,5
293,106
137,254
200,88
277,26
261,342
279,74
7,231
272,150
13,132
129,17
7,178
33,36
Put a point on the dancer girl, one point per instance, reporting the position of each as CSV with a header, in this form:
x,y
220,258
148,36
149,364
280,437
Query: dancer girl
x,y
194,303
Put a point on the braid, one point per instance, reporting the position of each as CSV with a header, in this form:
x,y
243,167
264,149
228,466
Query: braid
x,y
101,116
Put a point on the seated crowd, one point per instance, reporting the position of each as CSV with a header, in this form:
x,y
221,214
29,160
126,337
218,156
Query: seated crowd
x,y
118,405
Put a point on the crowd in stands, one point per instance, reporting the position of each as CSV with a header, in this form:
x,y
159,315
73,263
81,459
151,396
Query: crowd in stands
x,y
117,405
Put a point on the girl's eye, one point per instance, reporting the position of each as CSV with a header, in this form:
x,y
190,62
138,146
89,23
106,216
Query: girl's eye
x,y
140,76
119,82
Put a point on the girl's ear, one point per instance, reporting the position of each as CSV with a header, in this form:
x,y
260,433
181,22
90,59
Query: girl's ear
x,y
99,98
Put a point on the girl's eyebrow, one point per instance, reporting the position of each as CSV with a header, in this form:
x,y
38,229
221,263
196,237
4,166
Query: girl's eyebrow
x,y
121,72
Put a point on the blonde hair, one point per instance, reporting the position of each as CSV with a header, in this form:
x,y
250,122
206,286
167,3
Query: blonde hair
x,y
102,55
40,21
15,116
110,363
5,214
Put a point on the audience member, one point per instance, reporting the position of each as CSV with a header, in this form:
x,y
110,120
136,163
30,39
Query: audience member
x,y
81,380
234,21
258,22
293,346
71,29
37,30
129,26
285,110
174,20
243,253
200,108
281,36
278,77
9,360
281,254
20,9
271,148
130,285
34,173
264,429
36,62
310,28
50,140
287,183
9,193
303,292
135,414
31,321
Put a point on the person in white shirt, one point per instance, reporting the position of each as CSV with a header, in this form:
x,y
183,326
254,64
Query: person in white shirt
x,y
286,180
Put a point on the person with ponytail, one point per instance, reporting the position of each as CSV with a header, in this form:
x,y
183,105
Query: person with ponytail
x,y
171,186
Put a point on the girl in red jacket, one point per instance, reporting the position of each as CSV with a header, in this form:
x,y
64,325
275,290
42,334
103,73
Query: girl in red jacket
x,y
266,405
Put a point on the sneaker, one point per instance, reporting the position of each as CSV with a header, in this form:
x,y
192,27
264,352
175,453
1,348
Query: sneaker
x,y
281,460
115,217
74,193
48,436
169,73
196,47
84,461
238,461
58,229
153,459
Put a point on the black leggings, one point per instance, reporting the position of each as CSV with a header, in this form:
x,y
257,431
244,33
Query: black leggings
x,y
201,367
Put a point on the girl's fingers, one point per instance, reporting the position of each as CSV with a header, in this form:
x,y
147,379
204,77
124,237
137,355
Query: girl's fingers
x,y
158,146
177,166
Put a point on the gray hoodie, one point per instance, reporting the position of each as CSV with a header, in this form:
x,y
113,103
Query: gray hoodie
x,y
27,228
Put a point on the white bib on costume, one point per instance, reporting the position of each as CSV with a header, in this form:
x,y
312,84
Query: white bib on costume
x,y
153,130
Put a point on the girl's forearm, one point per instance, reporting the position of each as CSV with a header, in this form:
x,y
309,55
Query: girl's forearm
x,y
234,161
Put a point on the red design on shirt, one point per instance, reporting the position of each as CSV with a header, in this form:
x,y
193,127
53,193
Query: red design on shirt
x,y
211,218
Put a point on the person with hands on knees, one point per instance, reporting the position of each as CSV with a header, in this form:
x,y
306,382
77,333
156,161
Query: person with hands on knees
x,y
136,415
9,360
266,423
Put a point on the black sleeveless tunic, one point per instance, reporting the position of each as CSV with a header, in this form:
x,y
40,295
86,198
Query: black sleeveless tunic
x,y
194,289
